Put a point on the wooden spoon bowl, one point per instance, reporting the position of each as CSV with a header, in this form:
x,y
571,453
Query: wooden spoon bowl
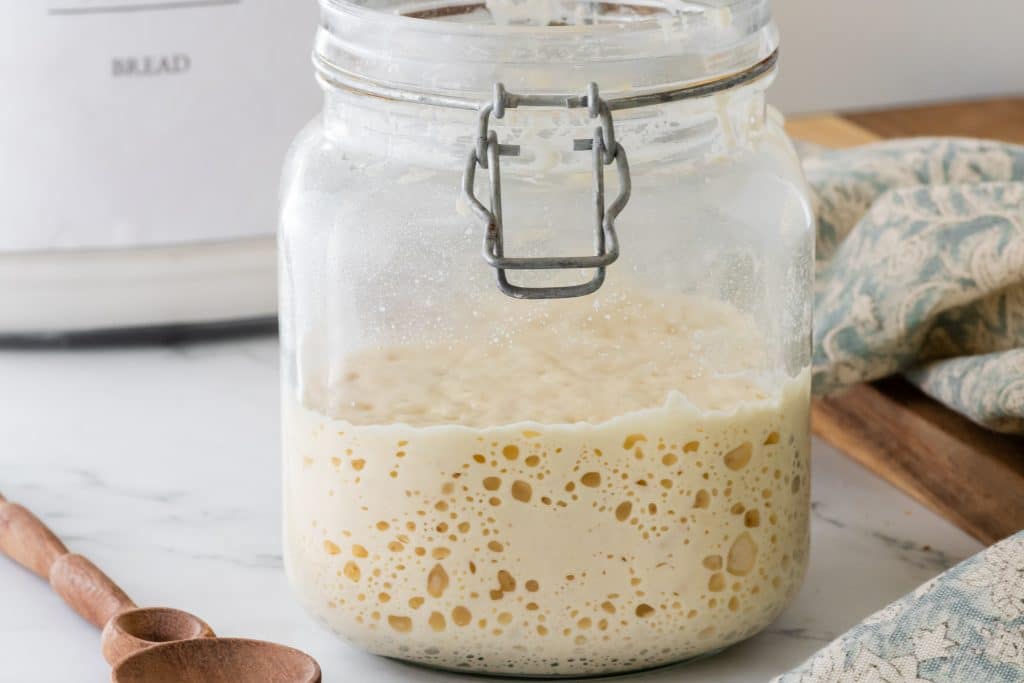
x,y
137,629
217,660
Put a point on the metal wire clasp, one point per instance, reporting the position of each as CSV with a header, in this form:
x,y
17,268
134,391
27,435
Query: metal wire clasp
x,y
487,154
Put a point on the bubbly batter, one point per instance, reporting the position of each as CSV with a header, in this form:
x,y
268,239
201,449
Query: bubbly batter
x,y
532,510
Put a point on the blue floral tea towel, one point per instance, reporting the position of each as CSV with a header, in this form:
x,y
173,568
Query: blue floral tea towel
x,y
966,626
920,270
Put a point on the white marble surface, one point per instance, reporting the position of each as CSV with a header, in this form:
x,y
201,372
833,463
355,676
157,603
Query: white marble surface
x,y
161,464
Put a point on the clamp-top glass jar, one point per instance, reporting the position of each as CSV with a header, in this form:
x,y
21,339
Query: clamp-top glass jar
x,y
545,408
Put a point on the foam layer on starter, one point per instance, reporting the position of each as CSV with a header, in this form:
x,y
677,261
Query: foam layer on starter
x,y
673,522
569,363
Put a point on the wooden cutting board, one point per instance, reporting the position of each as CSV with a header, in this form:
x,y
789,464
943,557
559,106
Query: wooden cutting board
x,y
969,475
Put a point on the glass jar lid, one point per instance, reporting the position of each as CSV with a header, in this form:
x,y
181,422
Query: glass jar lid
x,y
461,48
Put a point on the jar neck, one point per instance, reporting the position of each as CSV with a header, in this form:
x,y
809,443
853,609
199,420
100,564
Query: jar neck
x,y
425,68
461,48
725,123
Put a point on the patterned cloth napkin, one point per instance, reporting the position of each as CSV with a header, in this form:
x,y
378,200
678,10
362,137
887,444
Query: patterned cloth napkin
x,y
920,270
966,626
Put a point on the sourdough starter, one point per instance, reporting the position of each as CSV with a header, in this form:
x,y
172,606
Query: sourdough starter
x,y
597,492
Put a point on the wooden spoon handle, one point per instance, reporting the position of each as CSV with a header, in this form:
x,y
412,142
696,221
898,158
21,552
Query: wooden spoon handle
x,y
87,590
26,540
30,543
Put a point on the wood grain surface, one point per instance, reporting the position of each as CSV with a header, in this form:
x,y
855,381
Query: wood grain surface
x,y
972,477
1001,119
967,474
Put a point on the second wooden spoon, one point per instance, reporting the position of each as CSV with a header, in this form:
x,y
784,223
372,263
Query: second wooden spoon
x,y
153,644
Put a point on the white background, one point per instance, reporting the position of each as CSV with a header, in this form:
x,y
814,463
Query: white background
x,y
849,55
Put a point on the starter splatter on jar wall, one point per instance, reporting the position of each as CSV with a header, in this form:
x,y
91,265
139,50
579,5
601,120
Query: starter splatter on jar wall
x,y
545,317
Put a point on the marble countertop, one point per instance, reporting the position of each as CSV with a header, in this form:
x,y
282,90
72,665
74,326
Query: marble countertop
x,y
161,465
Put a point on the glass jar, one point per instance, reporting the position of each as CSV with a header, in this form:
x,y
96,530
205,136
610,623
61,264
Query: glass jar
x,y
545,320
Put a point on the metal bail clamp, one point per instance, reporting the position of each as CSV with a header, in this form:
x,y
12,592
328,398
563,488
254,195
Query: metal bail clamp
x,y
487,154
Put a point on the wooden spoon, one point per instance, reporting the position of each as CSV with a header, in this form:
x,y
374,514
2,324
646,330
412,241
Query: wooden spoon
x,y
152,644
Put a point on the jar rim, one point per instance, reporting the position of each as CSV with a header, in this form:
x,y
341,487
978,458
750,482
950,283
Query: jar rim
x,y
630,45
716,11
